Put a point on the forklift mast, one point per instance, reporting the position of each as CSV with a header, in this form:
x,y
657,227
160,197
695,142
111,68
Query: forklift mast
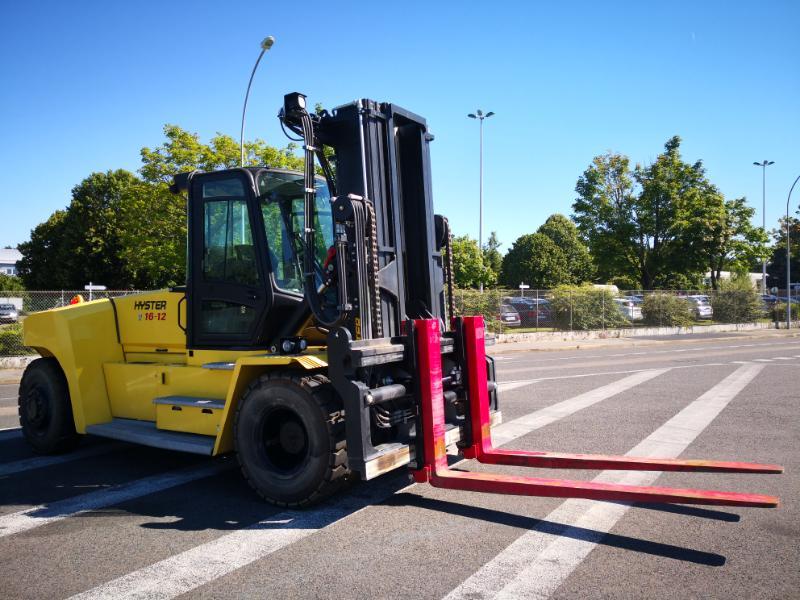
x,y
388,241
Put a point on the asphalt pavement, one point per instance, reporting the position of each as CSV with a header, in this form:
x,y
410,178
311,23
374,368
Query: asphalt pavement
x,y
114,520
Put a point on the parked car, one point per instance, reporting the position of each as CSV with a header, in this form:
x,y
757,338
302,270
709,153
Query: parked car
x,y
8,313
630,306
532,311
700,307
509,316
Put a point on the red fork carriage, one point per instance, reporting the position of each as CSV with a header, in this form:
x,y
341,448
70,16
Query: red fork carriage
x,y
433,467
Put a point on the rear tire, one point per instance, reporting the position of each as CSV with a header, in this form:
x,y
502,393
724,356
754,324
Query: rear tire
x,y
45,408
289,439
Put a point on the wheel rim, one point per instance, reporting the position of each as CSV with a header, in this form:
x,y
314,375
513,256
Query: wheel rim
x,y
37,409
285,441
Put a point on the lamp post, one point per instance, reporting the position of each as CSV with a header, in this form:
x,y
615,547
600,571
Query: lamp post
x,y
266,44
788,261
480,116
764,165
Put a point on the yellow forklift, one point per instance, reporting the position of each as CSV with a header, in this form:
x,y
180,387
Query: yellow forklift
x,y
316,336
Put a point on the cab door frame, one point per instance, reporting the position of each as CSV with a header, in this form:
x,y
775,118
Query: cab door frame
x,y
246,295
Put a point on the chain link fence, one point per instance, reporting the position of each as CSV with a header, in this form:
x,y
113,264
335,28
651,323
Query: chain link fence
x,y
578,308
597,308
16,306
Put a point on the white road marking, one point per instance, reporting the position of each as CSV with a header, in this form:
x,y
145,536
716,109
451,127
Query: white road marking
x,y
764,360
650,352
514,384
9,398
7,411
511,430
9,433
61,509
783,358
39,462
537,563
202,564
188,570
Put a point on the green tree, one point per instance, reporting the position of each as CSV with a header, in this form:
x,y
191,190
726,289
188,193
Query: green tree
x,y
468,268
183,151
10,283
491,254
41,266
654,223
536,260
733,243
565,235
776,265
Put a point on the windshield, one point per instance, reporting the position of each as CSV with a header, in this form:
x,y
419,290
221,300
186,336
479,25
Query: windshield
x,y
281,200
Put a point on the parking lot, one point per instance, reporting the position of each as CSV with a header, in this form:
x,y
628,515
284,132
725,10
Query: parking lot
x,y
113,520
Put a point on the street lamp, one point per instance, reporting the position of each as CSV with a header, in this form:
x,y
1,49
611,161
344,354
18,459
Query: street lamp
x,y
266,44
480,116
788,263
764,166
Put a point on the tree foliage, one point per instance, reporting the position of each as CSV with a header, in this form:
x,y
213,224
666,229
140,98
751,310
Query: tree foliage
x,y
566,237
663,224
491,254
10,283
666,310
536,260
469,270
737,301
585,307
123,230
776,265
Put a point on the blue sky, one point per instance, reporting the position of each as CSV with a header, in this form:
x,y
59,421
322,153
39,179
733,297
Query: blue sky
x,y
86,84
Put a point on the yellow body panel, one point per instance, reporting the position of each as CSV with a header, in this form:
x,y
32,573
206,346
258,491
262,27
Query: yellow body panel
x,y
189,419
82,338
118,357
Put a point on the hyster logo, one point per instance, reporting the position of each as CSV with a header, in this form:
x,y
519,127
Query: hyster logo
x,y
150,305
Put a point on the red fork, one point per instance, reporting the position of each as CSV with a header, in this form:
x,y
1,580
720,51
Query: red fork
x,y
434,468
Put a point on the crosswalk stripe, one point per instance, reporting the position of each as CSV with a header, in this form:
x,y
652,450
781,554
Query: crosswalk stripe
x,y
188,570
783,358
40,462
512,430
10,433
61,509
764,360
537,563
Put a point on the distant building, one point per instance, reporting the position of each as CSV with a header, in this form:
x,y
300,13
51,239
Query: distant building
x,y
9,257
755,278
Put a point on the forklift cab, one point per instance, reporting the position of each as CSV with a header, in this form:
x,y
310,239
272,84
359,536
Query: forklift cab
x,y
245,255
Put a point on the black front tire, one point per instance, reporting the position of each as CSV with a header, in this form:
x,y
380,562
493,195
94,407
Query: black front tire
x,y
45,409
289,439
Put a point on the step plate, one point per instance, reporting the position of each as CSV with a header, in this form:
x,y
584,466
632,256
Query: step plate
x,y
146,434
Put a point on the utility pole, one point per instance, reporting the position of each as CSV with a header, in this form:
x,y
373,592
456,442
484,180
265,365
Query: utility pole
x,y
788,261
479,115
764,166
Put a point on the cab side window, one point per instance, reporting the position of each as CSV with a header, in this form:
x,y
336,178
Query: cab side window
x,y
229,254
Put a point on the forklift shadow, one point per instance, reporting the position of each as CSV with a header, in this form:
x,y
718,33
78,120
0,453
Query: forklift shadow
x,y
579,533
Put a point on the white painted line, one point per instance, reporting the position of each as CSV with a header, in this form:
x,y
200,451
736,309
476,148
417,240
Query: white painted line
x,y
537,563
39,462
764,360
9,398
512,430
202,564
9,433
188,570
783,358
512,385
61,509
7,411
699,349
